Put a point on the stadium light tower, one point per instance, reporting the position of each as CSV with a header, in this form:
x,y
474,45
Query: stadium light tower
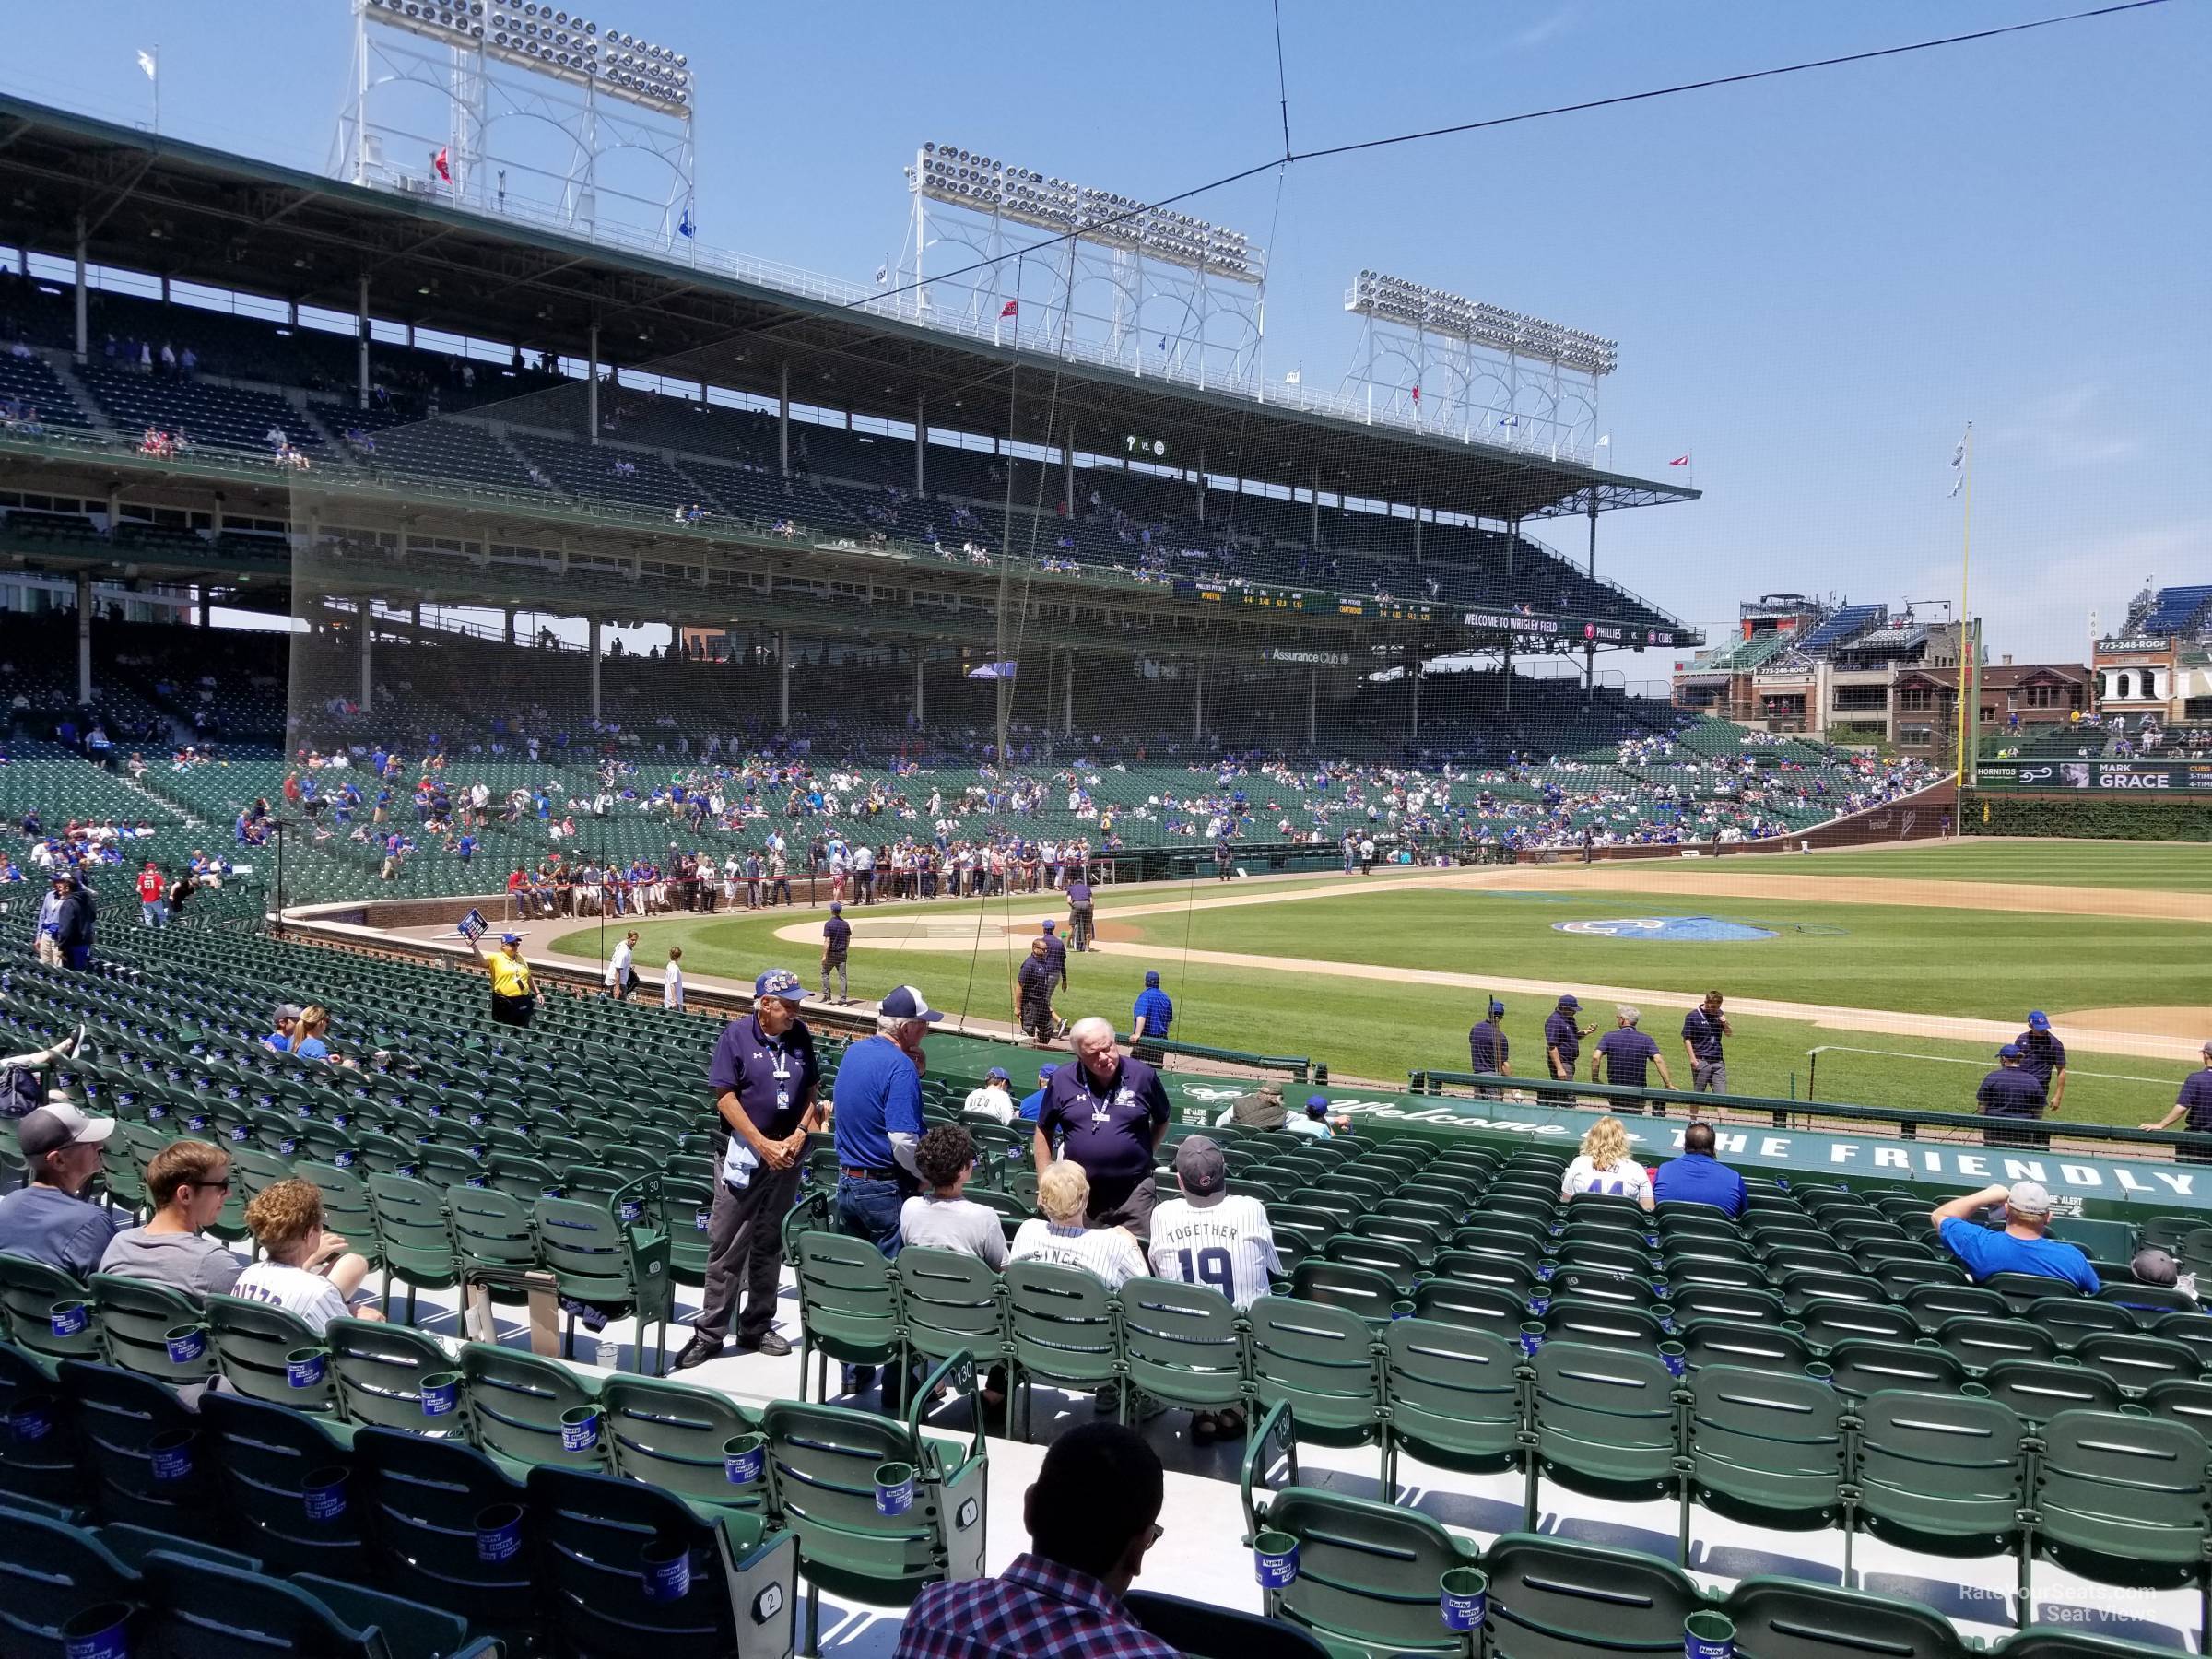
x,y
449,98
1476,371
1145,288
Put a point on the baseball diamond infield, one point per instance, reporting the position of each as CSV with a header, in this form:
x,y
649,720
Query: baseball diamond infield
x,y
1904,984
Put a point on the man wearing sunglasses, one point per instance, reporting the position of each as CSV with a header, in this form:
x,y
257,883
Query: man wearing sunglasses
x,y
189,1181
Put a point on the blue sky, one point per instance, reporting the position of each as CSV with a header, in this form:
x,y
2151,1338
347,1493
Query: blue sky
x,y
1816,280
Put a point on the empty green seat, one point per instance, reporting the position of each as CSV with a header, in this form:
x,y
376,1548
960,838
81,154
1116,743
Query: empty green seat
x,y
1763,1448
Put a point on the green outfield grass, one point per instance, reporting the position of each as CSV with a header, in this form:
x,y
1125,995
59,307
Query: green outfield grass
x,y
1990,964
2166,867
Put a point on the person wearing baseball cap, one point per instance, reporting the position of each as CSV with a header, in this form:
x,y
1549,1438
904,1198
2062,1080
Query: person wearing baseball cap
x,y
2193,1110
514,996
1317,1124
2044,1057
837,940
1150,1019
285,1028
766,1081
1032,1104
49,1220
1563,1034
994,1099
2021,1244
1488,1049
2011,1092
1207,1235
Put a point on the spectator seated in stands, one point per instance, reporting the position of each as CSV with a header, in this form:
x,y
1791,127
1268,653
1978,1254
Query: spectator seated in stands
x,y
51,1219
306,1271
1698,1177
188,1182
940,1218
1060,1236
994,1099
2022,1245
1091,1516
1605,1165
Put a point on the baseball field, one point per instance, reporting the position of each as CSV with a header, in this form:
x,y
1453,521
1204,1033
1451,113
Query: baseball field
x,y
1886,977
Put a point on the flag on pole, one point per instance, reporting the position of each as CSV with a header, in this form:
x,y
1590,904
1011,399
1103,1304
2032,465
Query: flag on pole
x,y
438,164
1292,378
471,926
1009,308
145,62
1164,342
1605,441
1416,398
1957,469
1679,461
686,226
883,274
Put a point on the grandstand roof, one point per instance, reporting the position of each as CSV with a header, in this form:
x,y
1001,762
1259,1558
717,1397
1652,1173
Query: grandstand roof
x,y
203,215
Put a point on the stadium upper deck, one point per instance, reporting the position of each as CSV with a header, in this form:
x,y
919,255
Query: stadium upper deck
x,y
1283,513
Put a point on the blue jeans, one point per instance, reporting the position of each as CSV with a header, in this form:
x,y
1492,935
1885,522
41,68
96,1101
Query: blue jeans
x,y
869,1209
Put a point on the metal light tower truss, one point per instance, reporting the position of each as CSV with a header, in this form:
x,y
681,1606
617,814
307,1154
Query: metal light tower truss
x,y
1145,290
580,95
1475,371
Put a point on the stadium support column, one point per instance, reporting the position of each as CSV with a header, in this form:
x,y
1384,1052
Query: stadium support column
x,y
360,344
595,645
507,614
1067,472
84,637
783,421
921,438
1313,532
784,680
1067,697
1590,646
1312,705
918,706
1197,702
591,396
83,330
1413,673
365,628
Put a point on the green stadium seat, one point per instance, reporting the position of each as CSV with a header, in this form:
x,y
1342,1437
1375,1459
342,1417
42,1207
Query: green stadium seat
x,y
849,1306
1762,1448
951,1306
28,1290
1184,1344
1201,1630
380,1368
49,1572
1604,1421
1061,1329
1794,1618
1942,1476
1320,1360
253,1341
1556,1598
422,1497
266,1456
135,1317
671,1435
515,1403
2123,1500
1717,1341
2041,1388
117,1415
597,1257
1863,1365
1452,1396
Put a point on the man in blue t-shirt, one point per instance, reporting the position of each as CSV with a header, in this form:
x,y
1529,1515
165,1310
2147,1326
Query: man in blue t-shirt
x,y
1698,1177
1110,1114
1150,1016
1624,1053
2021,1245
2011,1092
1032,1105
2193,1110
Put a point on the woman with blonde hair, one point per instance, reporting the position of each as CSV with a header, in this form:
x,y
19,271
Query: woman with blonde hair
x,y
1605,1165
1063,1194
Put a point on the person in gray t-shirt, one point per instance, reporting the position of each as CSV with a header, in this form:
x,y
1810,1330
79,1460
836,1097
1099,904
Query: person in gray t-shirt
x,y
941,1219
188,1182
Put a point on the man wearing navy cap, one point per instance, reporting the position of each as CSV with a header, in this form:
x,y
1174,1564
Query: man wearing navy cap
x,y
1563,1034
766,1083
1488,1049
837,939
1055,954
1033,1104
2011,1092
1151,1017
2044,1057
993,1099
1317,1124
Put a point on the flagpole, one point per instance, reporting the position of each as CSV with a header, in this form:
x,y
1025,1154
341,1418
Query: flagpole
x,y
156,79
1966,655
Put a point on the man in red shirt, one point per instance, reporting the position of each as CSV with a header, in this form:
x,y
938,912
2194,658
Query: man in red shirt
x,y
153,907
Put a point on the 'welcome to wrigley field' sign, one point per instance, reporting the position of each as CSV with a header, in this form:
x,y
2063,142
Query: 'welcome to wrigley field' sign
x,y
2080,1186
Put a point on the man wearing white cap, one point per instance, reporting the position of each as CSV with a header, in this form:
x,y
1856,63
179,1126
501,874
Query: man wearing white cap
x,y
49,1220
2022,1244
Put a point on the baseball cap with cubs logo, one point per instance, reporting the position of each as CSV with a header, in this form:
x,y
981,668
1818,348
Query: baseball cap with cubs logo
x,y
781,982
51,1128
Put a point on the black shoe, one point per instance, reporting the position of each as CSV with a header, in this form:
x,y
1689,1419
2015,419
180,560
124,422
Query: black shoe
x,y
698,1351
768,1343
858,1379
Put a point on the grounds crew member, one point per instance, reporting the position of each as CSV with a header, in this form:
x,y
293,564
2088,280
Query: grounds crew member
x,y
2011,1092
2044,1057
1033,984
1624,1053
837,941
1563,1034
1150,1016
766,1081
513,997
2193,1109
1488,1048
1703,1028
